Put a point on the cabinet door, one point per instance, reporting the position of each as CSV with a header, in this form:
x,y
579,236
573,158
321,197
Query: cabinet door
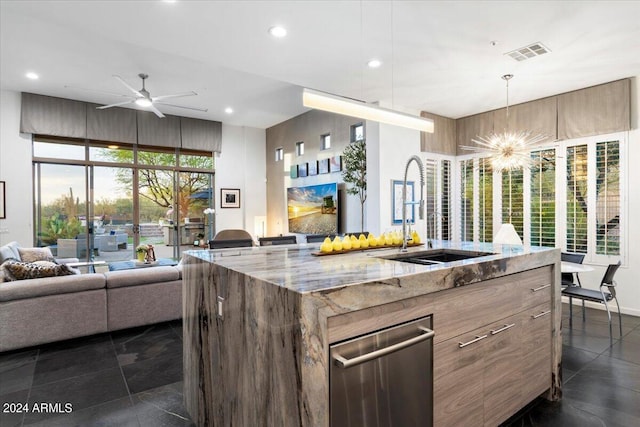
x,y
502,370
536,352
458,375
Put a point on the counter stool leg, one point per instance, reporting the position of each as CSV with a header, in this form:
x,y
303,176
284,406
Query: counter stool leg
x,y
570,311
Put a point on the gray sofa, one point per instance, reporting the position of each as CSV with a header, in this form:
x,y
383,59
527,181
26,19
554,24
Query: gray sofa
x,y
38,311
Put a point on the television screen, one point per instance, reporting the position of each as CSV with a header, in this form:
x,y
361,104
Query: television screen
x,y
313,209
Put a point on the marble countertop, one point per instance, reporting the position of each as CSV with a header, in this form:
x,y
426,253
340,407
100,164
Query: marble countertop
x,y
295,267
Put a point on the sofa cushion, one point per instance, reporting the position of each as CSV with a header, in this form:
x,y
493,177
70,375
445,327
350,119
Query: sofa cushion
x,y
35,254
9,251
141,276
16,270
30,288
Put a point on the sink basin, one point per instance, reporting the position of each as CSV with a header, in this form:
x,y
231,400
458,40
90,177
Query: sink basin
x,y
436,256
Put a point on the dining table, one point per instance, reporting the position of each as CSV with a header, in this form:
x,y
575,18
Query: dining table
x,y
572,267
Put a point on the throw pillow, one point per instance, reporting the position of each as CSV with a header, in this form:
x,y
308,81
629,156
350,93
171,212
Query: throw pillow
x,y
35,254
6,253
24,270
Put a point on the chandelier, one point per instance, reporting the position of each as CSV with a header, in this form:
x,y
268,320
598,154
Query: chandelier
x,y
508,150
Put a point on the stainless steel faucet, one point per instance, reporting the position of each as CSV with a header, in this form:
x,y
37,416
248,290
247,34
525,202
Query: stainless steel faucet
x,y
406,237
432,228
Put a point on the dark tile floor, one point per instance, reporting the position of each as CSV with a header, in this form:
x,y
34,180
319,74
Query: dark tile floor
x,y
134,378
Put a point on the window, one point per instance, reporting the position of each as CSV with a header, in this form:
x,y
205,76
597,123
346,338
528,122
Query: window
x,y
577,199
485,200
466,200
299,148
325,142
357,132
279,154
543,198
570,197
608,198
513,200
438,197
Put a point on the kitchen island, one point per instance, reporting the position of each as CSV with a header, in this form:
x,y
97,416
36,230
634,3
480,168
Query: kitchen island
x,y
258,324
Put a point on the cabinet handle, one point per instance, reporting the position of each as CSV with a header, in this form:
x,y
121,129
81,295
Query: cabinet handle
x,y
541,287
544,313
504,328
478,338
343,362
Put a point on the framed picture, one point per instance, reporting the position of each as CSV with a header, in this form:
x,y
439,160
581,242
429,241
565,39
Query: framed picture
x,y
293,171
396,202
3,200
302,170
313,168
335,164
229,197
323,166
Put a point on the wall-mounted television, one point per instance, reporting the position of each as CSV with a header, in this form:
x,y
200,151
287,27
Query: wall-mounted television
x,y
313,209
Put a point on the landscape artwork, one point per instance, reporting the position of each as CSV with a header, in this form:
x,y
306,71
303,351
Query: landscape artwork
x,y
313,209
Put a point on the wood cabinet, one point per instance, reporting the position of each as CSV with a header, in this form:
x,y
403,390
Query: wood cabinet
x,y
491,371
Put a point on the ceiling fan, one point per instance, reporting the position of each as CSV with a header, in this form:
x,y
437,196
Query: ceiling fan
x,y
144,99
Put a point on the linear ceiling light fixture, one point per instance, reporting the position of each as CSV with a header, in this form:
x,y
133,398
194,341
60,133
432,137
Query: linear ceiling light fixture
x,y
349,107
509,150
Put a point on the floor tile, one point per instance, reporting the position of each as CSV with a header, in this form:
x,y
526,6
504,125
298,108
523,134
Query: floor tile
x,y
16,370
78,360
145,343
68,346
10,416
162,406
574,359
579,339
611,372
626,350
153,373
118,412
81,392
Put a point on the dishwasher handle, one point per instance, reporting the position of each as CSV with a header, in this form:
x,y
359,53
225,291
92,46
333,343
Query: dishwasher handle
x,y
347,363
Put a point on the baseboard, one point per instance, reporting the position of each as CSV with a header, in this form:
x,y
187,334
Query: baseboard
x,y
612,306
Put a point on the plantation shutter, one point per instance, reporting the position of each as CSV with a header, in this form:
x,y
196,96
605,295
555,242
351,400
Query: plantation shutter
x,y
577,199
445,199
608,198
485,200
543,198
466,200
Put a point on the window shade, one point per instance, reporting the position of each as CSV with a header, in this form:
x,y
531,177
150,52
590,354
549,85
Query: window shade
x,y
445,199
596,110
46,115
158,132
112,124
202,135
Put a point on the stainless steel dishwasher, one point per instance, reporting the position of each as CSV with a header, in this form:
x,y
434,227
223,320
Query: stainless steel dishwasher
x,y
384,378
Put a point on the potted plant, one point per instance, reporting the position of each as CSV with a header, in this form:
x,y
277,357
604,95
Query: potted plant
x,y
141,252
354,172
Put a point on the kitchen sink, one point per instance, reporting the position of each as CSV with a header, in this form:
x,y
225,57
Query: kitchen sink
x,y
436,256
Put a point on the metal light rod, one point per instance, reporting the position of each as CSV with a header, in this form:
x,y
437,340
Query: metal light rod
x,y
348,107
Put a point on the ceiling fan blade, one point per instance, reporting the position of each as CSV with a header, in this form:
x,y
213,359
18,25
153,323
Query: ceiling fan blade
x,y
155,110
136,92
114,105
177,95
98,91
204,110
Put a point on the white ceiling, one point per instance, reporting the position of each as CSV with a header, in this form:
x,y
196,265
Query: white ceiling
x,y
437,56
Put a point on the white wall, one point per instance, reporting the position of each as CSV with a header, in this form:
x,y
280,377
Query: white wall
x,y
241,165
15,170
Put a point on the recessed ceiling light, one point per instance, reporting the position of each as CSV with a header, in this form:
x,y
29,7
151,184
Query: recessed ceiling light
x,y
374,63
278,31
32,76
228,110
113,147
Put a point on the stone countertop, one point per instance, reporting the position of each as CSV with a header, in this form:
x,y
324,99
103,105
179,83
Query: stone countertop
x,y
295,268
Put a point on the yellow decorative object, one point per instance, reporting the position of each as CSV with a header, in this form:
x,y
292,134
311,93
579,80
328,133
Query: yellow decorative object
x,y
373,242
326,246
415,237
397,239
364,243
388,239
355,242
337,244
346,243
